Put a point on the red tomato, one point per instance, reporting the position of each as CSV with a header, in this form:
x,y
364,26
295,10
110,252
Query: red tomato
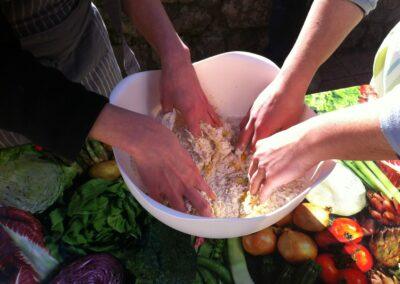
x,y
346,230
329,273
353,276
361,256
325,239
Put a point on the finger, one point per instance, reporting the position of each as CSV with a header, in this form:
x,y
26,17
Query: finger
x,y
245,119
194,127
203,186
157,196
266,190
245,135
214,117
166,104
256,179
173,188
263,130
253,167
199,203
176,202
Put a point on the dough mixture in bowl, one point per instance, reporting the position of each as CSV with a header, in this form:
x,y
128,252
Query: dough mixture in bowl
x,y
225,169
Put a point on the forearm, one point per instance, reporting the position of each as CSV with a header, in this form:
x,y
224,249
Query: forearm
x,y
327,25
123,129
150,18
353,133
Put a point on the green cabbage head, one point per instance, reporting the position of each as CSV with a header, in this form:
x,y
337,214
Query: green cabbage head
x,y
32,180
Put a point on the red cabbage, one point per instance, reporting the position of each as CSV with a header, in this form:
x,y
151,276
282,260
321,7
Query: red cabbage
x,y
91,269
13,267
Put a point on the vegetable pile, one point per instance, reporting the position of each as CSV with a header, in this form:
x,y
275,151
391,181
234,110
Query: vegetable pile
x,y
78,223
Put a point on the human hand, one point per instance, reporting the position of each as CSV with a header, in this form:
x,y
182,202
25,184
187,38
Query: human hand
x,y
275,109
282,158
166,169
180,89
169,173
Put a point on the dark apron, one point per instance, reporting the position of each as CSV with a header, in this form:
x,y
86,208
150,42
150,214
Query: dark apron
x,y
78,46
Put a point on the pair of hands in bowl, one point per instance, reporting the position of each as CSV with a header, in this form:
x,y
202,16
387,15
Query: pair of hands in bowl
x,y
170,174
166,168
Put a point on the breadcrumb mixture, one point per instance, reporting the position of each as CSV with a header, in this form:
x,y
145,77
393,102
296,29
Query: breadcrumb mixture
x,y
225,170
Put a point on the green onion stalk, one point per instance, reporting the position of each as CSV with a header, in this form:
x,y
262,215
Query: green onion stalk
x,y
373,177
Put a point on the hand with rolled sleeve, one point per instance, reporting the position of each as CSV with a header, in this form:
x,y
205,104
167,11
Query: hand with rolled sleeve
x,y
368,131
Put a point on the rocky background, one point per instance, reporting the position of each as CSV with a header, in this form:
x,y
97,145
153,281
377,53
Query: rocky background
x,y
210,27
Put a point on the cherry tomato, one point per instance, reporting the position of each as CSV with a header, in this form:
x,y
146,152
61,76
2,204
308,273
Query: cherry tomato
x,y
325,239
346,230
329,273
353,276
361,256
260,243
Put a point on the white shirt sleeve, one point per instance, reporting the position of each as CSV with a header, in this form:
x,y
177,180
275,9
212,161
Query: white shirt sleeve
x,y
366,5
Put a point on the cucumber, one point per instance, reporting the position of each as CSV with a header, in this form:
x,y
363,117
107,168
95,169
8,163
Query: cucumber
x,y
207,276
216,267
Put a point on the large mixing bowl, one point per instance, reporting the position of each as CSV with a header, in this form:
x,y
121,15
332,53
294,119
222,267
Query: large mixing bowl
x,y
231,81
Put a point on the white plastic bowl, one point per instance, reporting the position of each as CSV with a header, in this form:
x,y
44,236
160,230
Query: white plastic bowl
x,y
231,81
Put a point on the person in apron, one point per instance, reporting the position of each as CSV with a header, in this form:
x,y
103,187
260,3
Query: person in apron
x,y
73,63
368,131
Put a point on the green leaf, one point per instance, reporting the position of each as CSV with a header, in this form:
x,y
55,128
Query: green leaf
x,y
57,226
117,223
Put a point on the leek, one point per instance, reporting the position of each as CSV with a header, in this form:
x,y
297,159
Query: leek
x,y
238,263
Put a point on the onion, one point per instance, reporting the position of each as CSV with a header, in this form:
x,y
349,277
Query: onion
x,y
260,243
296,247
287,220
310,217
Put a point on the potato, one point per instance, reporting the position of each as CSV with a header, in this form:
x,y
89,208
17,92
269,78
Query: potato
x,y
105,170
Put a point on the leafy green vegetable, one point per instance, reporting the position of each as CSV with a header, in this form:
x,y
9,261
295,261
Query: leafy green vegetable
x,y
101,216
31,180
165,256
333,100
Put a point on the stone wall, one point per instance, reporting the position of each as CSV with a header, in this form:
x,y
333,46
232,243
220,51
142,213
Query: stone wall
x,y
210,27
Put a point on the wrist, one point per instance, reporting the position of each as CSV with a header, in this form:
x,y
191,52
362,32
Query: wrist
x,y
175,54
316,141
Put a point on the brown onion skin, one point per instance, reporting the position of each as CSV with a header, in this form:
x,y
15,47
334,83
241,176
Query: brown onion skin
x,y
296,247
260,243
92,269
304,218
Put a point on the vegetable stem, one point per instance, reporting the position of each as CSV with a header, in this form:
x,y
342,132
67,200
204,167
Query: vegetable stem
x,y
372,178
238,262
393,191
351,166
